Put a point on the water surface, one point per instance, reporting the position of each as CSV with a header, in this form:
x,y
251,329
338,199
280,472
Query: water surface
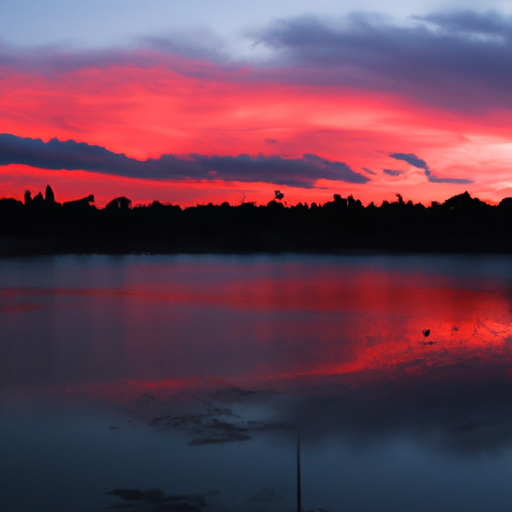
x,y
195,374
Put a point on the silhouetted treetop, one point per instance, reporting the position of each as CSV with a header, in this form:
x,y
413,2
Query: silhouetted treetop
x,y
119,203
49,196
83,204
460,224
464,201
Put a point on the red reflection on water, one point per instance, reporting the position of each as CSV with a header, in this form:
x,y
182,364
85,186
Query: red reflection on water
x,y
259,325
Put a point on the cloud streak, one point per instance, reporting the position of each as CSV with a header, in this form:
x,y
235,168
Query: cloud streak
x,y
413,160
458,61
70,155
392,172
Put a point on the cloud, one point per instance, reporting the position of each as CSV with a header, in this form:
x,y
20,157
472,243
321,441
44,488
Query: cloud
x,y
456,181
456,61
55,62
392,172
470,23
413,160
369,171
195,43
70,155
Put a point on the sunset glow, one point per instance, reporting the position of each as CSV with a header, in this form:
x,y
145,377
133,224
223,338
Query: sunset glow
x,y
306,96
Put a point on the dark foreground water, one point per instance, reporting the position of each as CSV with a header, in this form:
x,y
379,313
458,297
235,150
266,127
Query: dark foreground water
x,y
186,380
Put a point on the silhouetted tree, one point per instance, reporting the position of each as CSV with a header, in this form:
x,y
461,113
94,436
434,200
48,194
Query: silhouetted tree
x,y
339,201
84,202
354,203
119,203
462,223
464,201
49,196
506,204
38,200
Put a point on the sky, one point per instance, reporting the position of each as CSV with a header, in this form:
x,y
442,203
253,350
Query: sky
x,y
195,101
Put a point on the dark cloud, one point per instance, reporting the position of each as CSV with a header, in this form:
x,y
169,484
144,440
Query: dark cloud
x,y
459,60
456,181
70,155
469,22
369,171
456,61
392,172
413,160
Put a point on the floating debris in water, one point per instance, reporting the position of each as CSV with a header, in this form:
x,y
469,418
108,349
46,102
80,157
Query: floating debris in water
x,y
153,500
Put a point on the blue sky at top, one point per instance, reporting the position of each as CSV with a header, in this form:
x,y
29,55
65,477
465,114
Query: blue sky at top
x,y
222,23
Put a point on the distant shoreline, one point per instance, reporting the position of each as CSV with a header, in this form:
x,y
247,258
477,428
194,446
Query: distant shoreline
x,y
30,247
460,225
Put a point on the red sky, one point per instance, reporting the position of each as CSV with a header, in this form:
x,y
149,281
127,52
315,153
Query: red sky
x,y
145,104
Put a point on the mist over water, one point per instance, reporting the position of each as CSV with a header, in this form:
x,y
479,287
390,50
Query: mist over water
x,y
193,375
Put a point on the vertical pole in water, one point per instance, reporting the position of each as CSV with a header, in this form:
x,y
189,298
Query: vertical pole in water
x,y
299,496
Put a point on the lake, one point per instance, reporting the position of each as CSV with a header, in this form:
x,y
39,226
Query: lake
x,y
183,382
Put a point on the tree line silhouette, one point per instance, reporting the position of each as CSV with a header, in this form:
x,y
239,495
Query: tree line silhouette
x,y
41,225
